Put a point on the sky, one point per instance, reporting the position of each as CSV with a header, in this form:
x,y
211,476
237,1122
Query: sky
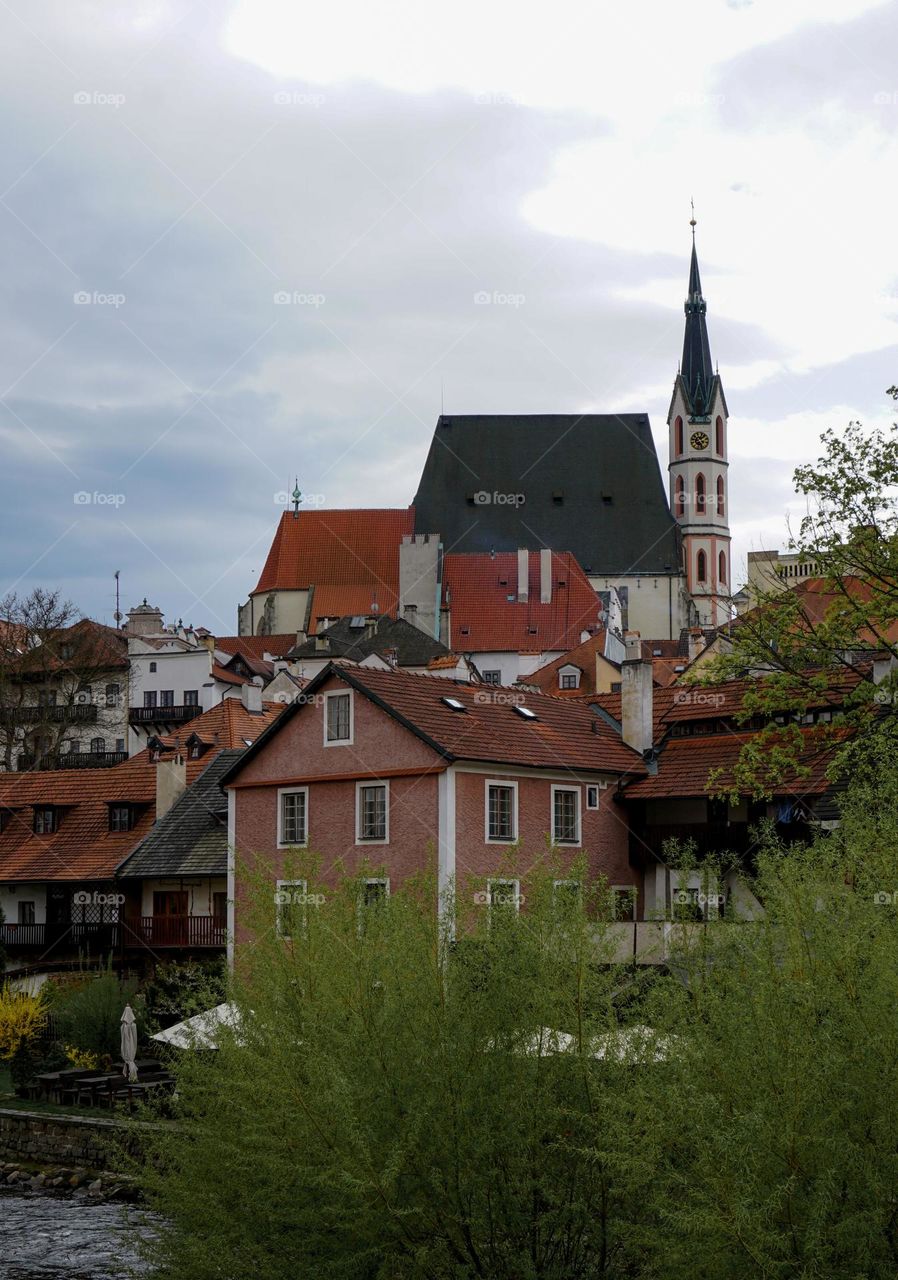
x,y
245,242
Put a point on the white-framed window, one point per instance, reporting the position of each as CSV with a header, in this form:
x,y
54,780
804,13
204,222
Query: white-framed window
x,y
501,815
372,812
623,901
293,816
569,677
503,895
492,677
290,907
375,891
592,796
338,719
565,815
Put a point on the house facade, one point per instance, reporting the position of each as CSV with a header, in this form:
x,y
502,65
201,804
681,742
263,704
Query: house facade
x,y
386,774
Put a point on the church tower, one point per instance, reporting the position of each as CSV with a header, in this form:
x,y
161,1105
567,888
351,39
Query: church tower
x,y
698,434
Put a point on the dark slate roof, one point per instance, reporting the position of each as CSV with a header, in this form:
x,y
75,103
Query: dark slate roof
x,y
192,838
413,646
696,368
591,485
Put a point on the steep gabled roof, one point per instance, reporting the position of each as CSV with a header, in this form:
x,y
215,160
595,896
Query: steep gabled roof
x,y
560,735
192,838
355,638
338,548
486,615
582,656
586,483
257,646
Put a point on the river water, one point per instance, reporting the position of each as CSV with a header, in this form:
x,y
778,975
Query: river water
x,y
55,1237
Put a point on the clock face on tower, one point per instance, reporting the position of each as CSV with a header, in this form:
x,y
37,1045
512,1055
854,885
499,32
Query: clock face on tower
x,y
699,440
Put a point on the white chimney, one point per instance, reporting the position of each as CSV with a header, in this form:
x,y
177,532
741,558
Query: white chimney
x,y
545,576
171,779
523,575
251,697
636,695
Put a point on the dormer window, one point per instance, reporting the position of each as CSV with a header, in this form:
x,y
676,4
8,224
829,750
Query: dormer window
x,y
569,677
45,820
121,817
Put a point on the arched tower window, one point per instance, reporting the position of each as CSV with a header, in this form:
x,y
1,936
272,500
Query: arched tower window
x,y
720,499
722,567
718,435
700,492
680,497
701,570
678,437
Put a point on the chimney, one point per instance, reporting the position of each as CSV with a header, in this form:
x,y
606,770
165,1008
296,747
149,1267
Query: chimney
x,y
636,695
171,779
523,575
545,576
696,642
251,697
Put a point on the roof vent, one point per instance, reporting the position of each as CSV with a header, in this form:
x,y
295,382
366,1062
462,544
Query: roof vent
x,y
558,497
656,653
525,713
454,704
466,631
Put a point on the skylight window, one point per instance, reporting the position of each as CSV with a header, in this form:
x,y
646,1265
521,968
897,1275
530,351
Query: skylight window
x,y
525,713
453,703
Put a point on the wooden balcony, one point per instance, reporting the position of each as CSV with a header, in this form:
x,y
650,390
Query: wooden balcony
x,y
175,931
64,713
163,715
72,760
58,937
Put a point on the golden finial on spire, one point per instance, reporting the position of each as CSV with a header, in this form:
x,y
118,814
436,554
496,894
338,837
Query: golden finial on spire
x,y
692,219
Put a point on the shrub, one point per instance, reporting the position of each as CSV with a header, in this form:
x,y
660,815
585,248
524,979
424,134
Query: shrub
x,y
89,1016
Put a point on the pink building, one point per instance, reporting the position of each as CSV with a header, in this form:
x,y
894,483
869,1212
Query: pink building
x,y
400,772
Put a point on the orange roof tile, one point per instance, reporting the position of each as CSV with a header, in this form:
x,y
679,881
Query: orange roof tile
x,y
348,547
484,618
257,646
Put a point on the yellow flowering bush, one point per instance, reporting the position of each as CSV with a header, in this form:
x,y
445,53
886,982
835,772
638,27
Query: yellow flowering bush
x,y
81,1057
22,1018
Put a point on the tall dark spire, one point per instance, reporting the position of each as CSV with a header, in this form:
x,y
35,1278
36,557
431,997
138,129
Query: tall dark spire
x,y
696,367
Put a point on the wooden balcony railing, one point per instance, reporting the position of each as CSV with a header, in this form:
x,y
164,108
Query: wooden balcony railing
x,y
49,937
175,931
63,713
72,760
163,715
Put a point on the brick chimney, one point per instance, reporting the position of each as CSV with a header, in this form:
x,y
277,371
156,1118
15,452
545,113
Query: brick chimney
x,y
523,575
636,695
171,779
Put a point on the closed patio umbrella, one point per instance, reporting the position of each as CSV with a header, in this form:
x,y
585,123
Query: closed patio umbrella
x,y
129,1043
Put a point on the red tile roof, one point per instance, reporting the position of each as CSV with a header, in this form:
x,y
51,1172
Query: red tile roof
x,y
565,735
257,646
84,848
685,765
338,548
582,656
335,600
484,619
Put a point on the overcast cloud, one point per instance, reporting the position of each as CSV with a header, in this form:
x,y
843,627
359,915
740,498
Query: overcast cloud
x,y
182,166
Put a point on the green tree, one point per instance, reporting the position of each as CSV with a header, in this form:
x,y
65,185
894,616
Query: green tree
x,y
389,1110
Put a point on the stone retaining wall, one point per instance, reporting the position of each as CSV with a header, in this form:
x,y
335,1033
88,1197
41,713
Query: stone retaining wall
x,y
38,1138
